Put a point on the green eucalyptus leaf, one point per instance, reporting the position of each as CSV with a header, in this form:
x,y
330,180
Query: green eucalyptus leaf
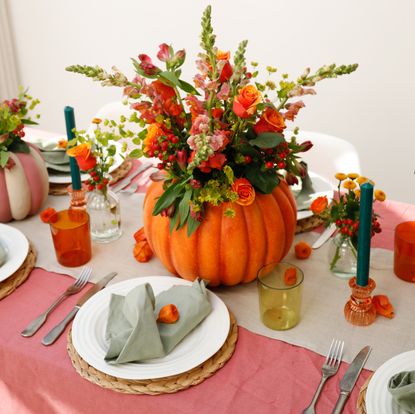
x,y
267,140
168,198
173,220
184,207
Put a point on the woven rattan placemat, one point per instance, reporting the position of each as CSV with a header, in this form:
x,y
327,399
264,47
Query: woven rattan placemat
x,y
10,284
167,385
116,175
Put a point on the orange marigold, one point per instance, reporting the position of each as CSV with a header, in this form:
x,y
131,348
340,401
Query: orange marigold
x,y
383,306
142,251
302,250
49,215
290,276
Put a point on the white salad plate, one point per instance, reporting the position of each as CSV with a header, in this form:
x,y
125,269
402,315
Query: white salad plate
x,y
88,334
16,245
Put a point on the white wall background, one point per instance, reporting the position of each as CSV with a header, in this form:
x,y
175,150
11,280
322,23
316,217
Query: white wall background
x,y
372,108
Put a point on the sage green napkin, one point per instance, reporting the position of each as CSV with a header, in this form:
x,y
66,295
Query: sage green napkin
x,y
402,388
132,329
56,159
3,255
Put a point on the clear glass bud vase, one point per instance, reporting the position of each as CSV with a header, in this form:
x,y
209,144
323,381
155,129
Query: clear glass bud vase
x,y
103,207
342,256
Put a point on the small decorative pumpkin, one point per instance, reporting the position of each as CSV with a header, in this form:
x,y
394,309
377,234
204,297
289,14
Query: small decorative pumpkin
x,y
225,250
24,185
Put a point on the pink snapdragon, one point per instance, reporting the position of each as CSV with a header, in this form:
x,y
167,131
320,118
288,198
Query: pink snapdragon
x,y
164,52
200,125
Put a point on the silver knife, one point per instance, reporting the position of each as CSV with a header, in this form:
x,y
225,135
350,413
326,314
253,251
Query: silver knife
x,y
350,377
54,334
324,236
127,180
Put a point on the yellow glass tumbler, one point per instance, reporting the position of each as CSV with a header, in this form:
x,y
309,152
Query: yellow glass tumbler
x,y
280,294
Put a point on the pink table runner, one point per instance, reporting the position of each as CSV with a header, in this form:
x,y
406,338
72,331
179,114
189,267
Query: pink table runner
x,y
263,376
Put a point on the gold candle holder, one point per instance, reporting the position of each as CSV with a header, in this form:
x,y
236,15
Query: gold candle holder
x,y
359,310
77,197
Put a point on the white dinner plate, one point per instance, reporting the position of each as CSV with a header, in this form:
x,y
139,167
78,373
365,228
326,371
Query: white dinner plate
x,y
378,398
16,245
88,334
322,188
66,178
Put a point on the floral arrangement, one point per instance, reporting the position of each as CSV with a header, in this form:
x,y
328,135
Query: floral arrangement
x,y
13,118
94,154
220,139
345,208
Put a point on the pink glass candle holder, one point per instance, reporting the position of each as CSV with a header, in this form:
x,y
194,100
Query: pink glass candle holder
x,y
78,199
360,310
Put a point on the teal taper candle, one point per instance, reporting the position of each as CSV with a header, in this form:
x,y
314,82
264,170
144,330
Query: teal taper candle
x,y
70,125
365,234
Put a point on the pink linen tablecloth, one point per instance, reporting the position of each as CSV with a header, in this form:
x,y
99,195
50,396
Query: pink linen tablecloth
x,y
263,376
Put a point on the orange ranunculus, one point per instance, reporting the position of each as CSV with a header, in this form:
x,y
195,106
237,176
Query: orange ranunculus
x,y
142,251
319,204
49,215
383,306
168,314
290,276
302,250
82,153
270,121
244,105
245,191
153,132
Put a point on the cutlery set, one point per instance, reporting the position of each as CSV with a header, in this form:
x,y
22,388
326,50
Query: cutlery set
x,y
77,286
330,368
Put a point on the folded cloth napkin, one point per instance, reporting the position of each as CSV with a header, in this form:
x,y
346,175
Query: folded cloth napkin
x,y
402,388
56,159
132,329
3,255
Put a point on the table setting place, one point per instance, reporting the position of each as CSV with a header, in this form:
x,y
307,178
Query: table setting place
x,y
170,259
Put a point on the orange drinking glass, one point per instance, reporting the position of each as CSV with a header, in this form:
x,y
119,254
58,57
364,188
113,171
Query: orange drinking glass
x,y
404,254
71,237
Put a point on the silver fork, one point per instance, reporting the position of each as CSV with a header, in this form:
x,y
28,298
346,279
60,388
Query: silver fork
x,y
330,367
80,282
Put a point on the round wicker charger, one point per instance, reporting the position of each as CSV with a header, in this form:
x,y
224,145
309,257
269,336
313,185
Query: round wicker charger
x,y
361,400
167,385
10,284
116,175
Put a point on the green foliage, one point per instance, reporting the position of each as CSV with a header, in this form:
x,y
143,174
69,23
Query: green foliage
x,y
264,181
267,140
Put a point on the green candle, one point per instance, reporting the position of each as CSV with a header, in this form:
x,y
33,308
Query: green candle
x,y
365,234
70,125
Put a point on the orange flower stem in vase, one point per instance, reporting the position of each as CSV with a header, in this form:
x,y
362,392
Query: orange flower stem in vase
x,y
360,310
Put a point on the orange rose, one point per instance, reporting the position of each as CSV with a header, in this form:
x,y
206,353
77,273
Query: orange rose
x,y
82,153
270,121
168,314
244,105
302,250
153,132
319,204
62,143
383,306
49,215
245,191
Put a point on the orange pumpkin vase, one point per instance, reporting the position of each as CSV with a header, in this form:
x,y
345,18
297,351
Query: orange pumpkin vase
x,y
225,250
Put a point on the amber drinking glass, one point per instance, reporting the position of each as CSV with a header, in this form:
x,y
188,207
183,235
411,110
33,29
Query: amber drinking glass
x,y
280,293
71,237
404,253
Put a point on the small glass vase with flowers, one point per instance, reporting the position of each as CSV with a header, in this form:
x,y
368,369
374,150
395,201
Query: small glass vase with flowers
x,y
344,213
95,156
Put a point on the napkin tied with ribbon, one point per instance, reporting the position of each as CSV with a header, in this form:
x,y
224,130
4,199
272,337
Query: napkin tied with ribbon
x,y
132,329
402,388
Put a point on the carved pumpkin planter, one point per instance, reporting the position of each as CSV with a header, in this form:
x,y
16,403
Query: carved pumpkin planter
x,y
225,250
23,187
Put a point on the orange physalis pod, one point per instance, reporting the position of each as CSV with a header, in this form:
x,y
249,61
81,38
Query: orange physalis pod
x,y
383,306
139,235
302,250
290,276
168,314
142,251
49,215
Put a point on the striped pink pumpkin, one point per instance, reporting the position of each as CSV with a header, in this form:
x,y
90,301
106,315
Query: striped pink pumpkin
x,y
24,187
